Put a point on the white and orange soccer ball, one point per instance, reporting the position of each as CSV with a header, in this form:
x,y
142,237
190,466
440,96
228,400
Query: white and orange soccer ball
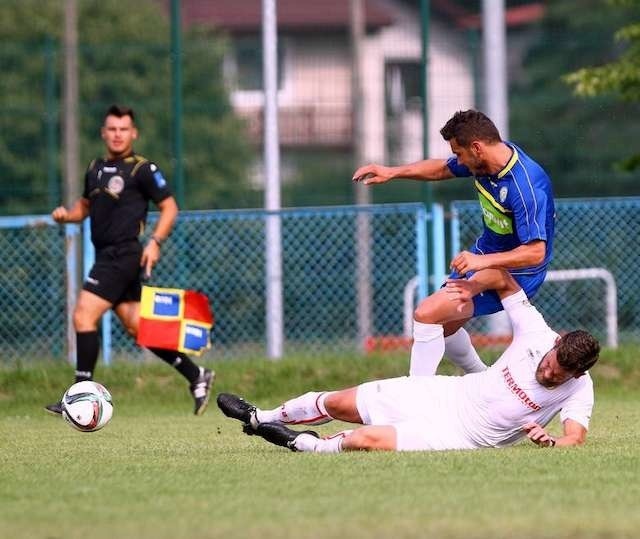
x,y
87,406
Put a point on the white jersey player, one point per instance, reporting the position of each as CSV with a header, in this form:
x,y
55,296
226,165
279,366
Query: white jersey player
x,y
538,376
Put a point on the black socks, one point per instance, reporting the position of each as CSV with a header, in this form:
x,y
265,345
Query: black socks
x,y
87,354
179,361
88,345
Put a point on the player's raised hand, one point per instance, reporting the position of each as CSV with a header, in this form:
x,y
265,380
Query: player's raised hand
x,y
60,214
369,174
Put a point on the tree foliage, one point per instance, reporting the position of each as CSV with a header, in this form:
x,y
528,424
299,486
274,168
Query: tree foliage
x,y
124,57
620,77
579,141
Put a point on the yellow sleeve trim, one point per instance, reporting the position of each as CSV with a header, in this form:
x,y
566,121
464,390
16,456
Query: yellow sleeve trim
x,y
510,164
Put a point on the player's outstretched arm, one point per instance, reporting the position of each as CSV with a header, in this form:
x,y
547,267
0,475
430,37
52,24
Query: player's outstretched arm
x,y
574,434
427,170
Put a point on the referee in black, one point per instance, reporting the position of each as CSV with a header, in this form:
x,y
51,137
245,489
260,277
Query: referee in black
x,y
117,190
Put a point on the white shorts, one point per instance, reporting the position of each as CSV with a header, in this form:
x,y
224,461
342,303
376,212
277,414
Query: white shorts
x,y
422,409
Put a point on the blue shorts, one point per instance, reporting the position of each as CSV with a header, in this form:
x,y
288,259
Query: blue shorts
x,y
488,302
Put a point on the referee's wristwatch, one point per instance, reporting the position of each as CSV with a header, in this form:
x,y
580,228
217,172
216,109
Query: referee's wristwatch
x,y
157,240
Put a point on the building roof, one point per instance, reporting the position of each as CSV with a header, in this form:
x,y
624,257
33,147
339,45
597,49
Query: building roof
x,y
245,16
514,16
307,15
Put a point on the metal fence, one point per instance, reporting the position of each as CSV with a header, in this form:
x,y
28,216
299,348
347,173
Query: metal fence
x,y
32,289
222,253
590,233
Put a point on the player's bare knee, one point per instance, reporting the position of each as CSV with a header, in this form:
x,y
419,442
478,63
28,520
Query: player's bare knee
x,y
358,440
342,405
436,309
368,439
82,321
425,317
424,314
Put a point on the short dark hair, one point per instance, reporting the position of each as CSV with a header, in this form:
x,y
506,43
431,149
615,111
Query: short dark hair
x,y
469,125
577,351
120,112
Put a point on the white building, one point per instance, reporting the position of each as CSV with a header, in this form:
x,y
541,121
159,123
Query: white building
x,y
315,66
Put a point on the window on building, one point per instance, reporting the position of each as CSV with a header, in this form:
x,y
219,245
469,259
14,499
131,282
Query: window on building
x,y
403,90
247,64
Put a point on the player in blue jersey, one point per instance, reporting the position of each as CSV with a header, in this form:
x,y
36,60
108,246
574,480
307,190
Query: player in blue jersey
x,y
516,201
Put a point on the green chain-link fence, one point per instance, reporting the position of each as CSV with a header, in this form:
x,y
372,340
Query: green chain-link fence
x,y
32,289
223,254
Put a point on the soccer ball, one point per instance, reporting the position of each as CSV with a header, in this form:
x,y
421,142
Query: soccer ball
x,y
87,406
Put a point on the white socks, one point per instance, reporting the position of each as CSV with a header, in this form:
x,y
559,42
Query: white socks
x,y
309,443
307,409
427,349
458,348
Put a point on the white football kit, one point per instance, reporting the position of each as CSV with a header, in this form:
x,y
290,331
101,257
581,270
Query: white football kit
x,y
485,409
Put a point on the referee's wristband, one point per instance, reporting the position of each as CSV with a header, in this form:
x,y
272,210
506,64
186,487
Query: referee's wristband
x,y
157,240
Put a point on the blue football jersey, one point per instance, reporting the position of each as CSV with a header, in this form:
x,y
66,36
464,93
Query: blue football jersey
x,y
517,206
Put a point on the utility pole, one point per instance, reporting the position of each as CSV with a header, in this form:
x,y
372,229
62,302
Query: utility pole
x,y
362,192
71,162
494,39
176,94
426,188
273,234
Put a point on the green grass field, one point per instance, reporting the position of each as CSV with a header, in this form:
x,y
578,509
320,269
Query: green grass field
x,y
156,471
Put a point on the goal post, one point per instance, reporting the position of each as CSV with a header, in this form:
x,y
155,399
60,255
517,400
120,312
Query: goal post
x,y
611,299
603,274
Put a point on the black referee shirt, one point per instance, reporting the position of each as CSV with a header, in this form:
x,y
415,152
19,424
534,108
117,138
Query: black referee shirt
x,y
119,192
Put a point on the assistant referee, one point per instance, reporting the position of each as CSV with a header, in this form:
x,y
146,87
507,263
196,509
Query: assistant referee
x,y
117,191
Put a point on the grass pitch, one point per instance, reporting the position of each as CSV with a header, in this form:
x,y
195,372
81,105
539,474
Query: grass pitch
x,y
156,471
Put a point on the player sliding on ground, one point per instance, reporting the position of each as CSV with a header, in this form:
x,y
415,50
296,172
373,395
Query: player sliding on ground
x,y
538,376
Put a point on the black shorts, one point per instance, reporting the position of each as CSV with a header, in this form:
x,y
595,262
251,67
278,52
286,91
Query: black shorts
x,y
116,274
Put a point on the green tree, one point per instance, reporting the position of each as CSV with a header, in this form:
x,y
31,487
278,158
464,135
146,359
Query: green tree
x,y
620,77
578,141
124,57
24,28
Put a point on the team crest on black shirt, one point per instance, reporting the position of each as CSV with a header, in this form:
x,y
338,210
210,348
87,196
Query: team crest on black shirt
x,y
115,185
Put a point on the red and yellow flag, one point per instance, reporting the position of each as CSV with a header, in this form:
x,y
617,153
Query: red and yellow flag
x,y
175,319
